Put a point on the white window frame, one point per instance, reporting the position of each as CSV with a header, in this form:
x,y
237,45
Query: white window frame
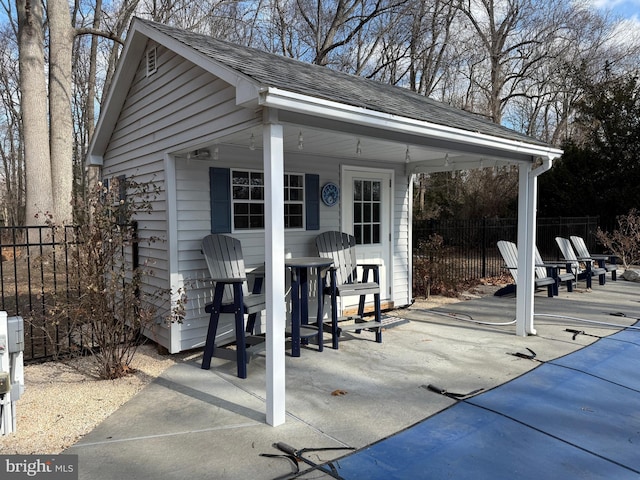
x,y
249,201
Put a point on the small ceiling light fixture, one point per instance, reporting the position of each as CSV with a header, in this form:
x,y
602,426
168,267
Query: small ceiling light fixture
x,y
407,155
300,141
358,148
252,142
199,154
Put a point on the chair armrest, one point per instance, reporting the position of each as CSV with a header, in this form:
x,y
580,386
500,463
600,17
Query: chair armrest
x,y
259,271
229,280
554,265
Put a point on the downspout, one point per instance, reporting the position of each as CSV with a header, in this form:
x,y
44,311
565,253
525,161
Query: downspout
x,y
547,163
528,193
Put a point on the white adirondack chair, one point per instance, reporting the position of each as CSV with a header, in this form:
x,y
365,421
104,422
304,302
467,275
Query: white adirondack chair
x,y
509,253
583,252
582,268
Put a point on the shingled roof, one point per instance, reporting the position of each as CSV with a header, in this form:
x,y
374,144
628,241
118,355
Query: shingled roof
x,y
271,70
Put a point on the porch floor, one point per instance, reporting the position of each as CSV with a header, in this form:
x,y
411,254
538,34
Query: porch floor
x,y
196,424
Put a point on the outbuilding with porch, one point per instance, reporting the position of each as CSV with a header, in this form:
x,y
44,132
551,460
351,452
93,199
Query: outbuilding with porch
x,y
274,151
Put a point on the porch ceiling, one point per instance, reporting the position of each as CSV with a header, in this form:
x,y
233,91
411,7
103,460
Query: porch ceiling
x,y
320,142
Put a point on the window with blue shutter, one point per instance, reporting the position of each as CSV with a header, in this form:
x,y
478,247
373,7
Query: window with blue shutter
x,y
238,196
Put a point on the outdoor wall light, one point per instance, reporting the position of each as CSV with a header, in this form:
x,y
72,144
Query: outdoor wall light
x,y
358,148
199,154
446,160
407,155
300,141
252,142
216,152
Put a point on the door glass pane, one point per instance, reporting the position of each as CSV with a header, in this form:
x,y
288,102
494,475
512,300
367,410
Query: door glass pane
x,y
366,194
367,212
376,191
375,234
357,190
375,217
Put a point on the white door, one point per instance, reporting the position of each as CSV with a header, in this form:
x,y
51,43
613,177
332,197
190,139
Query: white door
x,y
366,214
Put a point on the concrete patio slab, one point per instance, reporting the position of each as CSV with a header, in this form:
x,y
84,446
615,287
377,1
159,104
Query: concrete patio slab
x,y
193,423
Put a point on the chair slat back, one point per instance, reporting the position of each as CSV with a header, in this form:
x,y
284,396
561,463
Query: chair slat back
x,y
341,248
223,255
567,250
509,253
580,246
541,272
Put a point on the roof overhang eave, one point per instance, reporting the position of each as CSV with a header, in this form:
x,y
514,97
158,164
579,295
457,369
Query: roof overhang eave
x,y
272,97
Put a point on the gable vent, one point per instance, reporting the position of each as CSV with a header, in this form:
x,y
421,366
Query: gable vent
x,y
152,64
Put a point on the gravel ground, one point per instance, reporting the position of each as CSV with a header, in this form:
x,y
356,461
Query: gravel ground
x,y
62,401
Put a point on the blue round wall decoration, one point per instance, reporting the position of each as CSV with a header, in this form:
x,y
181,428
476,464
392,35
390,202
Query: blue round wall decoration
x,y
330,194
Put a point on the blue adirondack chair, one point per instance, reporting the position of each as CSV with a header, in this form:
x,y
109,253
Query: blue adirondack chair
x,y
344,282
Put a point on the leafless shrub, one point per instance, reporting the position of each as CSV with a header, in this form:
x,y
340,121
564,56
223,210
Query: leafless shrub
x,y
115,303
624,242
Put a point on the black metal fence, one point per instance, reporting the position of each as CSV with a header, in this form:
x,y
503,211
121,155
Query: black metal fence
x,y
36,263
34,272
458,251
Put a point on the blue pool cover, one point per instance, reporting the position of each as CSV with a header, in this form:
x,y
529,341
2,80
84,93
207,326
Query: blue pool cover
x,y
577,417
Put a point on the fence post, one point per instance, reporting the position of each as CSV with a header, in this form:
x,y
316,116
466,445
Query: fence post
x,y
484,247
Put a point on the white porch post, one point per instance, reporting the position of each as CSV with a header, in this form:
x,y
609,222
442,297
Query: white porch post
x,y
273,159
526,243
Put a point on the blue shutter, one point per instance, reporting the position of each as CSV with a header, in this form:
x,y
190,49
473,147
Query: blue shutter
x,y
312,201
220,194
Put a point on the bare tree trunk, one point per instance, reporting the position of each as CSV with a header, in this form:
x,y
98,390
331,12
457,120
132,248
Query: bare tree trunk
x,y
61,35
93,59
39,195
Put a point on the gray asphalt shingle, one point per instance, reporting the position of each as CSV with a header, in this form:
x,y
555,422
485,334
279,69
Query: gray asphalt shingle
x,y
271,70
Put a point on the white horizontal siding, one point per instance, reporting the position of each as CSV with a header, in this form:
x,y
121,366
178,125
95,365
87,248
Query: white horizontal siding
x,y
192,196
179,105
402,249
